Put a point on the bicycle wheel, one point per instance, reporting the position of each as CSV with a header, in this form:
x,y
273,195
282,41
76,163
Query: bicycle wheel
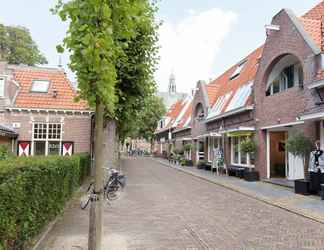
x,y
113,191
86,198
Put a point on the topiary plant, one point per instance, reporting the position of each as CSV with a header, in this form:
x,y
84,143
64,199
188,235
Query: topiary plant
x,y
248,146
299,146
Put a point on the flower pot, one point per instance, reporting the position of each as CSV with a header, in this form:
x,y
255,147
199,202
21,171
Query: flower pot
x,y
302,187
251,175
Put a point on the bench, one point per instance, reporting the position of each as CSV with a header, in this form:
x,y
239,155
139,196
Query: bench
x,y
236,171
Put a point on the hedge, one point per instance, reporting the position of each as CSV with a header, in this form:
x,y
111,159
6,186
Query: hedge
x,y
33,191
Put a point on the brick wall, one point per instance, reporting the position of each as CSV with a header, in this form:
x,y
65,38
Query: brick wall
x,y
76,128
286,106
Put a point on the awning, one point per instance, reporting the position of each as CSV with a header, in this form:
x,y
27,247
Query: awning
x,y
317,84
7,131
312,116
212,134
184,139
240,131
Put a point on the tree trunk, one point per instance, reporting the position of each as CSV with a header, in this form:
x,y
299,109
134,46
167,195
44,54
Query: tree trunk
x,y
152,145
95,221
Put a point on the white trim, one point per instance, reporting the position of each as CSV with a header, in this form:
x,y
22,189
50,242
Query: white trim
x,y
238,129
268,154
73,111
229,113
184,139
312,116
322,133
181,129
272,27
317,84
283,125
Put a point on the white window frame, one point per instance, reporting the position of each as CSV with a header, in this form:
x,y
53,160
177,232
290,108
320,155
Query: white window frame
x,y
2,91
40,91
46,139
248,160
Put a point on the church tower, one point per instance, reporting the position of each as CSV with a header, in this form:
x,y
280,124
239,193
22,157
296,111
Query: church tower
x,y
172,84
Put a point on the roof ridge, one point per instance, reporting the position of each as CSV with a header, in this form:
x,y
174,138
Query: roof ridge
x,y
28,67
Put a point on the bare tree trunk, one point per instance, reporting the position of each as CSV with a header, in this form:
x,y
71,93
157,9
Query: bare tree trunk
x,y
95,222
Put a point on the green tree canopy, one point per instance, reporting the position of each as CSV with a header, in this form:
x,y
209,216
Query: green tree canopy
x,y
18,47
145,119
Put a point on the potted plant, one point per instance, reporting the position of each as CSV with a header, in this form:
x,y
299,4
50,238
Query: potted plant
x,y
201,164
249,146
300,146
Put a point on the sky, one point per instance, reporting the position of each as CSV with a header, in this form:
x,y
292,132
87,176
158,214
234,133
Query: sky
x,y
199,39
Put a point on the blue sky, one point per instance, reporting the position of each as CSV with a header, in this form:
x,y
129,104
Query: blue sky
x,y
199,38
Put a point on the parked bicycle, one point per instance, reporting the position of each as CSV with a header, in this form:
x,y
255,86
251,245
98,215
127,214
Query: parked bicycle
x,y
114,184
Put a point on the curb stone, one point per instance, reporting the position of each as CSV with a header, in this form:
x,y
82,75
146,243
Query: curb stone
x,y
300,212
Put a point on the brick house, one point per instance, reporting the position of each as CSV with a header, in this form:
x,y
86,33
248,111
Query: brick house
x,y
38,111
289,89
223,113
274,93
171,122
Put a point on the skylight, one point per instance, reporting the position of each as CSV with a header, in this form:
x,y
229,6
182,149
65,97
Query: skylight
x,y
219,105
238,70
40,86
240,97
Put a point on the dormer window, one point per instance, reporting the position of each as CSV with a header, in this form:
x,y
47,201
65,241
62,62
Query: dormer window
x,y
40,86
2,86
238,70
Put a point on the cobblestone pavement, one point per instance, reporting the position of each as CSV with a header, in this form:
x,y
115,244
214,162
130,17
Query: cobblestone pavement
x,y
162,208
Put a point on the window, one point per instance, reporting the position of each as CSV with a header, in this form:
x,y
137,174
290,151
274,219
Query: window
x,y
40,86
238,70
238,157
47,138
288,78
2,86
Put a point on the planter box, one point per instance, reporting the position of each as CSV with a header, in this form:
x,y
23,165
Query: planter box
x,y
251,175
200,166
208,167
302,187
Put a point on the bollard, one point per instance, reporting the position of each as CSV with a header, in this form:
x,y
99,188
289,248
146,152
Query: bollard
x,y
322,191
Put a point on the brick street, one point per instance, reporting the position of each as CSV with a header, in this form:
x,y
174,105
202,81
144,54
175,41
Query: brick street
x,y
162,208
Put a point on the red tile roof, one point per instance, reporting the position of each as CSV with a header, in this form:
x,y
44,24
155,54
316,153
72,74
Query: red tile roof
x,y
224,85
315,13
24,76
313,28
187,115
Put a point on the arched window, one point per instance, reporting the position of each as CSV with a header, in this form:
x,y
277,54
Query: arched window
x,y
199,112
285,74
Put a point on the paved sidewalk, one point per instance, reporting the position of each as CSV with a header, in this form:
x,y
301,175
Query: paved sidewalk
x,y
311,206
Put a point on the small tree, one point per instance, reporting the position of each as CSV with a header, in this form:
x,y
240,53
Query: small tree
x,y
248,146
299,146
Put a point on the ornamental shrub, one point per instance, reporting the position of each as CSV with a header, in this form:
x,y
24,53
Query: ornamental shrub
x,y
33,191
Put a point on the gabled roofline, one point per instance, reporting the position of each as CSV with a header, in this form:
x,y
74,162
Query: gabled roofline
x,y
308,39
230,113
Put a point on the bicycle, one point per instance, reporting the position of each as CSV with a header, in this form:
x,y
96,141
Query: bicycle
x,y
115,183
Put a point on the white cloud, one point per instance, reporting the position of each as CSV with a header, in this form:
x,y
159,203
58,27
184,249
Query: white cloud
x,y
189,47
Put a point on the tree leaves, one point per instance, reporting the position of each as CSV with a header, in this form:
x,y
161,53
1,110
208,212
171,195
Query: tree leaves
x,y
18,47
